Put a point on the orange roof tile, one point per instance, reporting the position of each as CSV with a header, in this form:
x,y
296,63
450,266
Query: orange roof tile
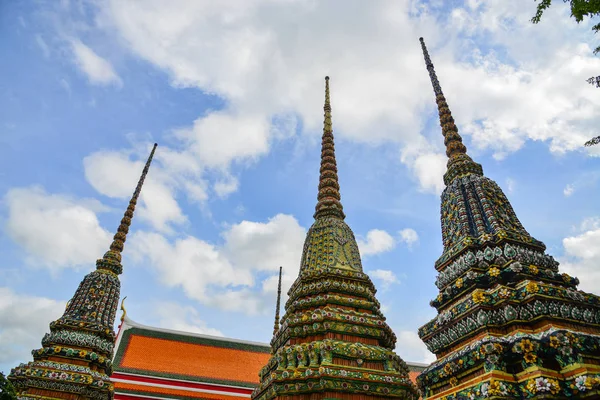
x,y
167,356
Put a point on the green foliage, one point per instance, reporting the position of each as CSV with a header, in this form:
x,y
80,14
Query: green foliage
x,y
593,141
579,10
7,392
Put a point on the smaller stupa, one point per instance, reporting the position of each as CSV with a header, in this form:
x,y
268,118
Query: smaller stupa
x,y
75,361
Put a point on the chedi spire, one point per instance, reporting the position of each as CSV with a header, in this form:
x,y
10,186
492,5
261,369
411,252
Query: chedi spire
x,y
276,323
329,204
75,361
459,162
111,260
333,342
509,324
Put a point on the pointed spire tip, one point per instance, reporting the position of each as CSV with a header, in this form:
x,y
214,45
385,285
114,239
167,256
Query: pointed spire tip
x,y
328,204
112,258
276,325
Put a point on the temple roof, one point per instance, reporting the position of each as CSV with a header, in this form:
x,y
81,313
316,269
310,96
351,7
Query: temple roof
x,y
165,363
226,361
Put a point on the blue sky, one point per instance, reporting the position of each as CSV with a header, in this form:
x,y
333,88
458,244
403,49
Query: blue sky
x,y
233,94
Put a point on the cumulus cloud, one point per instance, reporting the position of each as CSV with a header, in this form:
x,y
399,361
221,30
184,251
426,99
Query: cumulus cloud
x,y
223,136
409,236
378,241
411,348
182,318
115,174
23,322
225,275
264,68
582,255
386,277
55,230
98,70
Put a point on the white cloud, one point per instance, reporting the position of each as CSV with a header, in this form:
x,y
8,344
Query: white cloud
x,y
182,318
429,168
585,180
224,276
409,236
226,187
263,68
98,70
23,322
510,185
266,246
589,224
568,190
582,255
242,53
57,231
222,136
386,277
114,174
378,241
411,348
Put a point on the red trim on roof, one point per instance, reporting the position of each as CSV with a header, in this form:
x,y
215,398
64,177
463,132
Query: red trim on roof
x,y
121,396
181,384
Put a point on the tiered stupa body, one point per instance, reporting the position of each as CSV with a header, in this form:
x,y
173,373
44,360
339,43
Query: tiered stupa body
x,y
75,361
509,324
333,342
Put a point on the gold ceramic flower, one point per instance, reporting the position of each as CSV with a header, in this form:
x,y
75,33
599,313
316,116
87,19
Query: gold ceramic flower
x,y
478,296
530,358
532,287
533,269
526,346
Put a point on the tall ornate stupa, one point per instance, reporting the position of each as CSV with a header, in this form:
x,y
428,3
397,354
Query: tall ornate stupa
x,y
333,342
75,360
509,324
